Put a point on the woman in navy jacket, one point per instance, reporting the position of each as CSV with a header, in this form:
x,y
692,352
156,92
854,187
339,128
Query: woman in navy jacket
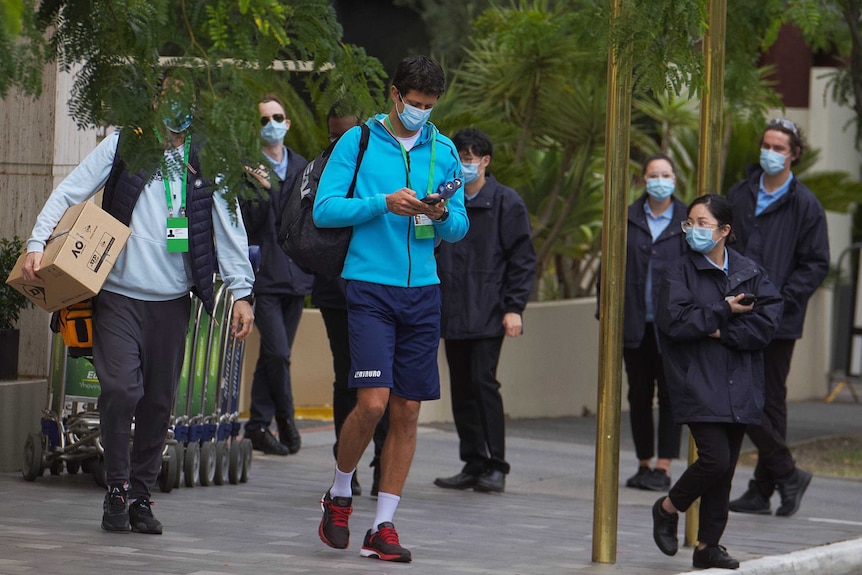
x,y
654,242
711,345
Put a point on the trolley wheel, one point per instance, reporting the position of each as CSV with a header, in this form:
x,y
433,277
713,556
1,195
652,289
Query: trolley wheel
x,y
245,448
72,467
192,464
234,462
99,472
31,461
168,472
222,462
179,457
56,467
208,463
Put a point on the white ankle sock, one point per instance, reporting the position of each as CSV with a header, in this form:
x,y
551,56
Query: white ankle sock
x,y
386,506
341,487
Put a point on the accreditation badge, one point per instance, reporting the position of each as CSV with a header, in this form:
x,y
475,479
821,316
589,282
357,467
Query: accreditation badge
x,y
424,227
178,235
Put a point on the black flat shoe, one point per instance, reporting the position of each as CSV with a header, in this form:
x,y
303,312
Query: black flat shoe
x,y
713,556
493,481
664,529
460,481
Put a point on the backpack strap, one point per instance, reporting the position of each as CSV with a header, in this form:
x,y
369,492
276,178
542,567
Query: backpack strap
x,y
363,145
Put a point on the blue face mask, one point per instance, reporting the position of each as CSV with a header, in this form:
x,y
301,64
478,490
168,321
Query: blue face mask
x,y
412,117
179,119
772,162
273,133
700,240
471,172
660,188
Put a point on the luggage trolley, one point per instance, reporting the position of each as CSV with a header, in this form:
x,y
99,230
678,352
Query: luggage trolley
x,y
69,434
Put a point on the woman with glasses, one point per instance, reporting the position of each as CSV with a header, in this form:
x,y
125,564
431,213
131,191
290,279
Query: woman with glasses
x,y
716,311
653,241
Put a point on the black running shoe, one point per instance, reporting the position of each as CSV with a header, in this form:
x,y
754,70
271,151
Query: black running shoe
x,y
141,517
333,528
115,512
384,545
713,556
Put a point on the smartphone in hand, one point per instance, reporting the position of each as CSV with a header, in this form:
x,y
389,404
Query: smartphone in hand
x,y
748,299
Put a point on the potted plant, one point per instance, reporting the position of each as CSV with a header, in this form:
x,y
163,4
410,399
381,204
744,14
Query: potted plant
x,y
11,304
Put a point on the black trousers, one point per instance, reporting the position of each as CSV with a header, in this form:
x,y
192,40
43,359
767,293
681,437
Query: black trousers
x,y
343,397
277,318
477,405
774,461
709,477
138,351
646,375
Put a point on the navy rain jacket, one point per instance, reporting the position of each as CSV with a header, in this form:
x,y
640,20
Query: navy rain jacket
x,y
715,379
788,239
491,271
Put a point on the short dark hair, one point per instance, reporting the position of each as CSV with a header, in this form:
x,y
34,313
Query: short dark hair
x,y
270,97
721,210
658,156
785,126
420,73
473,140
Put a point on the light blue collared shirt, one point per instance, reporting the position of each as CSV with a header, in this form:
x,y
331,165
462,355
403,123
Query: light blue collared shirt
x,y
722,268
766,199
279,167
657,224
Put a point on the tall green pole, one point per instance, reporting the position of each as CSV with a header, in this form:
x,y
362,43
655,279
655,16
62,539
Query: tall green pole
x,y
606,500
709,162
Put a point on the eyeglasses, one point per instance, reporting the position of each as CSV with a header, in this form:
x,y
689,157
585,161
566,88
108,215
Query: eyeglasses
x,y
784,123
688,226
276,117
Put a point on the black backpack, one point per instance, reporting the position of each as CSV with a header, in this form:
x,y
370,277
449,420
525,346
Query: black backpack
x,y
316,250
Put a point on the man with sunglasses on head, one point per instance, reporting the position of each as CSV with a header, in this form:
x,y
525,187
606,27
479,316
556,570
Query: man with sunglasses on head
x,y
781,225
280,287
393,291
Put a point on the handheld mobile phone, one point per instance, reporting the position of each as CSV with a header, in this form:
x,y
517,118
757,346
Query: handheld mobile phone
x,y
748,299
444,191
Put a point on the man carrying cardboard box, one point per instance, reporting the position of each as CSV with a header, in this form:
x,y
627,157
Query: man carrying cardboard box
x,y
142,312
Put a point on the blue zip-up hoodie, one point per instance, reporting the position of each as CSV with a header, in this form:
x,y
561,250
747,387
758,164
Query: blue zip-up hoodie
x,y
384,249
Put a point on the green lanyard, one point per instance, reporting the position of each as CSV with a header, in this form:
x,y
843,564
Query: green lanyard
x,y
166,179
407,161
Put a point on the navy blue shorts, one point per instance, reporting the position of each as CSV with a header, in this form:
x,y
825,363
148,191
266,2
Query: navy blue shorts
x,y
394,336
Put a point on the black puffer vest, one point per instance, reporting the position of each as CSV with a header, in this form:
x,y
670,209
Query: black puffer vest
x,y
121,194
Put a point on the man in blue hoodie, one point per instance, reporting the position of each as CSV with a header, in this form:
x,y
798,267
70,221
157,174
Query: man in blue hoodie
x,y
393,291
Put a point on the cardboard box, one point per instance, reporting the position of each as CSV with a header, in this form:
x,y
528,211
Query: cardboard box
x,y
79,255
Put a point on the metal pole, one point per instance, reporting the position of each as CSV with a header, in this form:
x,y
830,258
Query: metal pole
x,y
709,164
606,500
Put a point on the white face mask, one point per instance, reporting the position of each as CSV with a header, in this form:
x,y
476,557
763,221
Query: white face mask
x,y
412,117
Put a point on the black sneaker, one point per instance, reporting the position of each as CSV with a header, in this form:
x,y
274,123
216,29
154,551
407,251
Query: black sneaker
x,y
333,528
752,501
635,480
384,545
664,529
288,435
792,491
115,512
713,556
656,480
141,517
263,440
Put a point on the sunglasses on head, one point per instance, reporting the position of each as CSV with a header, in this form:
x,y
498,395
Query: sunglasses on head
x,y
784,123
277,117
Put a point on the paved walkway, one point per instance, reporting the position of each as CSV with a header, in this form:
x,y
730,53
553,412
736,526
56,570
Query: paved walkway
x,y
541,525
